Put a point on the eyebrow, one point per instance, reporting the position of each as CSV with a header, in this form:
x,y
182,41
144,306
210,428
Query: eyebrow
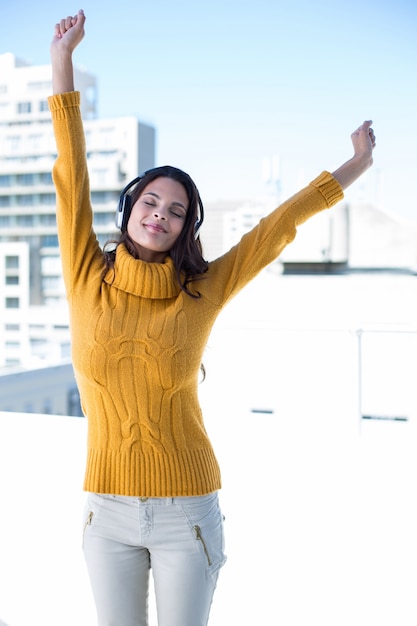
x,y
179,204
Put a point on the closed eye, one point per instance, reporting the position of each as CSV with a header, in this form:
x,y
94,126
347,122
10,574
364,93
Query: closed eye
x,y
177,213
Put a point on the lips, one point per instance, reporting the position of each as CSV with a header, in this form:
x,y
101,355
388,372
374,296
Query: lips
x,y
155,228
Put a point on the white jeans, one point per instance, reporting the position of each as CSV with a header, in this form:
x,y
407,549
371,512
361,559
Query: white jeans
x,y
180,539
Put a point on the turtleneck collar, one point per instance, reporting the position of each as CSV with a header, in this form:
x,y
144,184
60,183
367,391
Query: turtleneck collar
x,y
140,278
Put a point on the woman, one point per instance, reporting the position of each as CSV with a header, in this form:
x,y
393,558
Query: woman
x,y
141,315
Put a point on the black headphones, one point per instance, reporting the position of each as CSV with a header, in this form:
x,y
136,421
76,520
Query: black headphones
x,y
125,205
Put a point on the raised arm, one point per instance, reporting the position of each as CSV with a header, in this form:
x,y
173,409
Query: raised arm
x,y
363,140
69,32
82,258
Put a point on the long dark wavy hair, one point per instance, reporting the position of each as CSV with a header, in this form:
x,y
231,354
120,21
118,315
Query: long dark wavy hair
x,y
186,253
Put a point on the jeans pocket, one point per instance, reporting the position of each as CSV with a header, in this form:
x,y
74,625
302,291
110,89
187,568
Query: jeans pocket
x,y
207,525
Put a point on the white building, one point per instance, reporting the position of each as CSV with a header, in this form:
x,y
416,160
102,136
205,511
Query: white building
x,y
350,237
117,150
30,336
14,302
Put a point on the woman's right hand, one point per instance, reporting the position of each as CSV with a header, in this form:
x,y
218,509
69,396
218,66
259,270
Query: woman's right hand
x,y
68,33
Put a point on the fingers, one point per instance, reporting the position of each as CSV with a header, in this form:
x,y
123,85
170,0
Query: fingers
x,y
57,31
68,22
363,127
365,130
372,137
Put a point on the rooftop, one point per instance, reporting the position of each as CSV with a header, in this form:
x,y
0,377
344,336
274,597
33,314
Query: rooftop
x,y
319,502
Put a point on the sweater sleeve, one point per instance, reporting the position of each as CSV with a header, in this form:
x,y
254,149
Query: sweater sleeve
x,y
80,252
228,274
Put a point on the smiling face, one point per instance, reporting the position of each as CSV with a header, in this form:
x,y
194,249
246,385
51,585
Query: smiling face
x,y
157,218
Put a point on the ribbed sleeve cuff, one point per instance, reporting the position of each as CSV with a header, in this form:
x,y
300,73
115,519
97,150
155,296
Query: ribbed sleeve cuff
x,y
329,187
64,104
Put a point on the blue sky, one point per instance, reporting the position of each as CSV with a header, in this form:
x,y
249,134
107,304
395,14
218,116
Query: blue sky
x,y
228,84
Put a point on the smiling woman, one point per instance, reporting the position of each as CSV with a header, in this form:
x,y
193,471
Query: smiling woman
x,y
141,315
172,205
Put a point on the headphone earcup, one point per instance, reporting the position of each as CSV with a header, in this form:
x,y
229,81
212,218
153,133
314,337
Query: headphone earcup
x,y
197,226
123,211
199,221
125,204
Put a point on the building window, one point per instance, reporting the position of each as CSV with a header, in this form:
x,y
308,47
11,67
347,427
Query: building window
x,y
47,198
25,220
12,280
24,107
12,345
37,344
50,241
45,178
103,219
25,179
104,197
5,201
27,200
5,180
12,327
98,197
12,362
12,262
48,219
51,283
12,303
43,106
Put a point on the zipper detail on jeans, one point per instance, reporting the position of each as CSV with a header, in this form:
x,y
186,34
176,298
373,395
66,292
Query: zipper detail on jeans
x,y
200,537
88,522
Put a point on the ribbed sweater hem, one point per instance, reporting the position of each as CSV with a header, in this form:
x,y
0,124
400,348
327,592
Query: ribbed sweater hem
x,y
185,473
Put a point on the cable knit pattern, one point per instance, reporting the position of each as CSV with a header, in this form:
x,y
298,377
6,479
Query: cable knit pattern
x,y
138,340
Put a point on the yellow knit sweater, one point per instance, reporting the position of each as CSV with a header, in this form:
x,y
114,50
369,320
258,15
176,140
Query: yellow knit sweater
x,y
138,340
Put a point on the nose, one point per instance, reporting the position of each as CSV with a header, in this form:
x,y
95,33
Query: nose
x,y
159,214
